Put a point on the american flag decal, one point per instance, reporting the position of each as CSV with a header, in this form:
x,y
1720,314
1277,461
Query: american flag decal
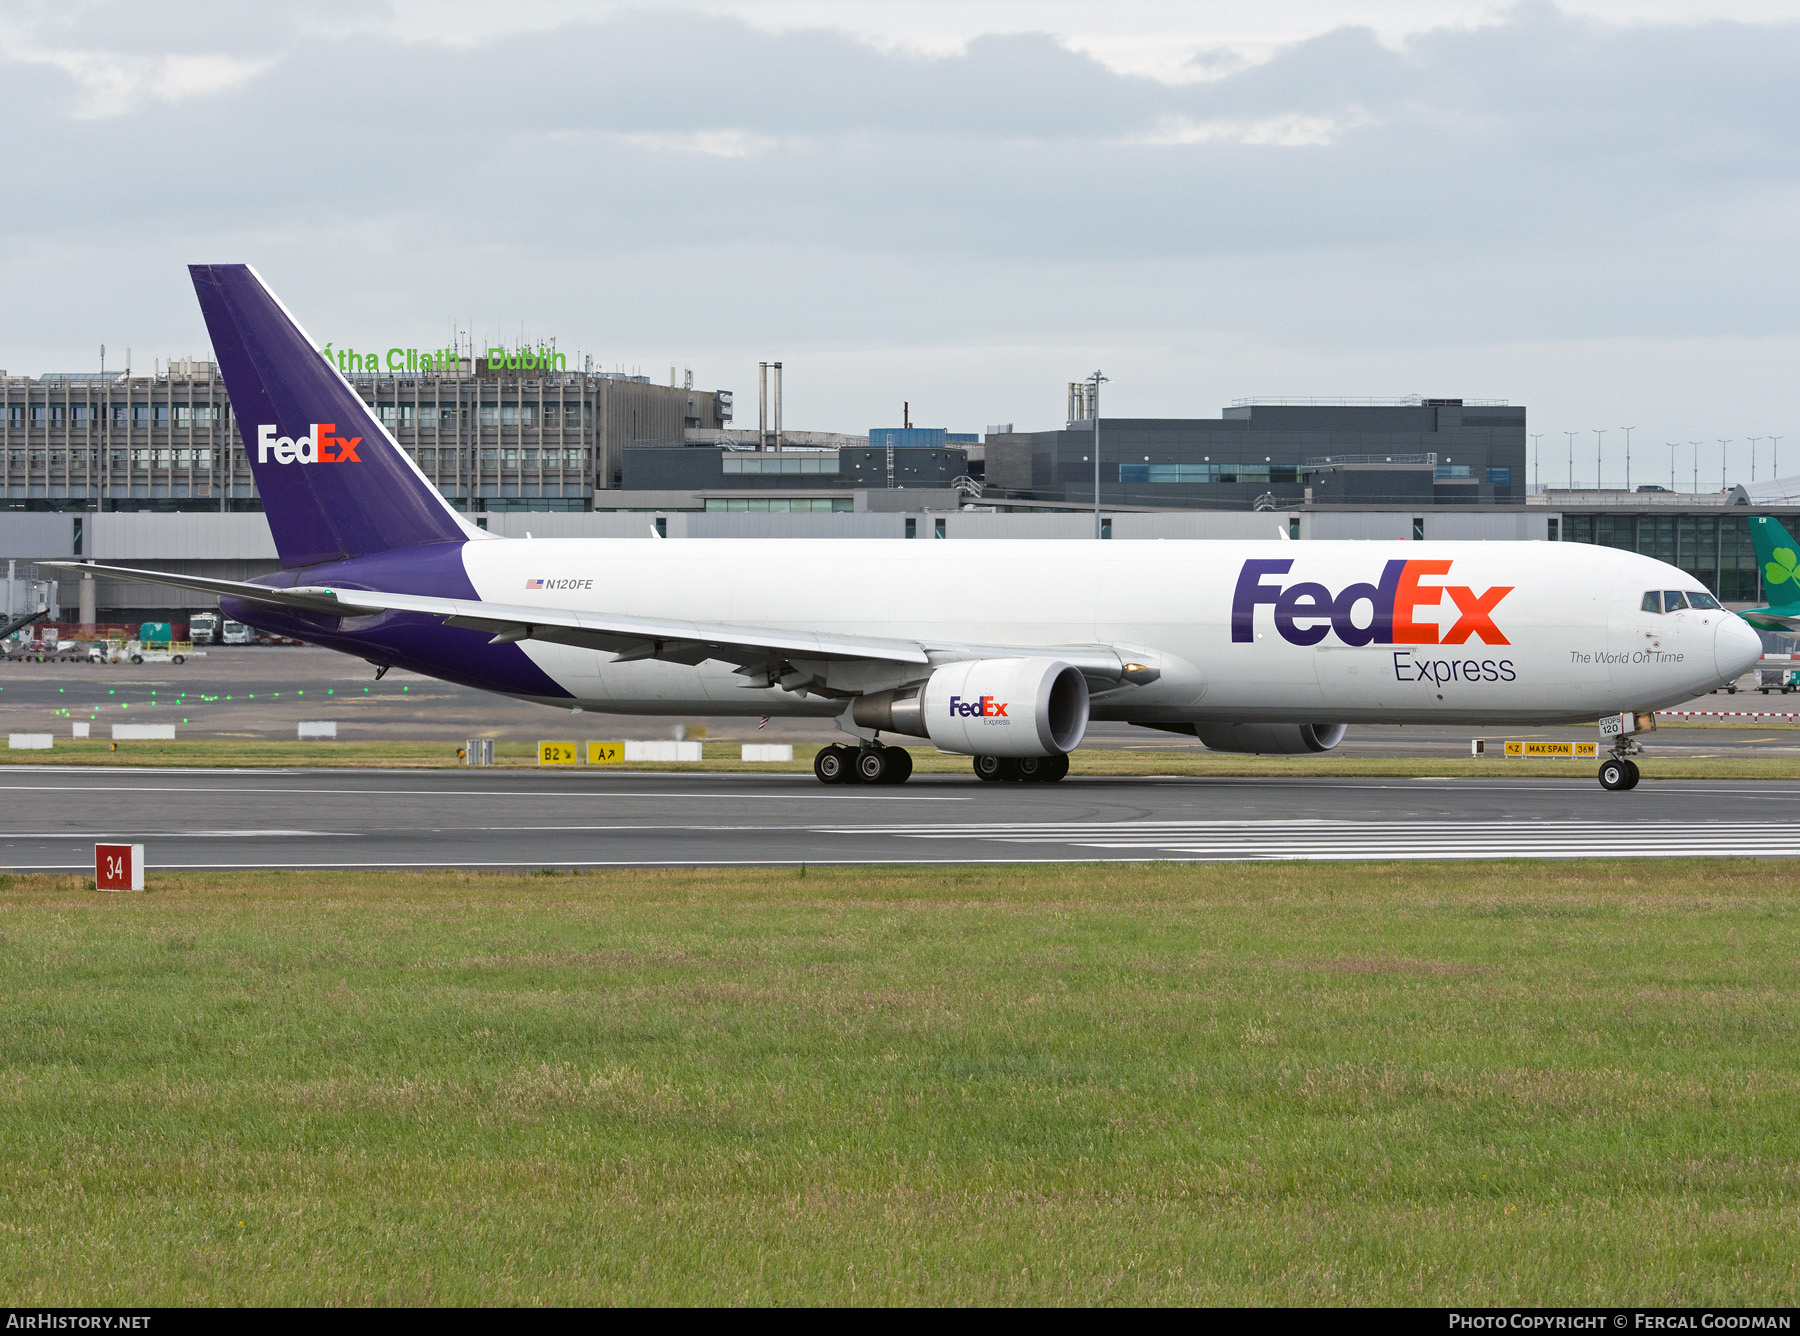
x,y
534,584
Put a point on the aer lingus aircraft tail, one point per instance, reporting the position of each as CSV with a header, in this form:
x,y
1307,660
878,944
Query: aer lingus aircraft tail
x,y
1778,559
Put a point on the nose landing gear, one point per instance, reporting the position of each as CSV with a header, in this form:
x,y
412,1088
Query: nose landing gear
x,y
1618,773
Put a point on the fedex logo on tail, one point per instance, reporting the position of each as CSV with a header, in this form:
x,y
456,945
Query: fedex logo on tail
x,y
321,445
985,708
1306,612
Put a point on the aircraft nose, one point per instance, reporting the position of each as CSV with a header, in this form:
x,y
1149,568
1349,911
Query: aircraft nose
x,y
1736,647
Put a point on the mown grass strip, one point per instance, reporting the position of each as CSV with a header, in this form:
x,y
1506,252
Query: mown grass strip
x,y
1411,1083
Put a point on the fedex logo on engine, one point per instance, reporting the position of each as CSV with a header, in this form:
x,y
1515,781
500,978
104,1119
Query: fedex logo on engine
x,y
984,708
321,445
1307,612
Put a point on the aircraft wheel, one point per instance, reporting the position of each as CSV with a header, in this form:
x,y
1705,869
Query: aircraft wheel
x,y
1031,768
1632,774
832,765
872,765
1054,769
1009,769
900,765
988,768
1613,775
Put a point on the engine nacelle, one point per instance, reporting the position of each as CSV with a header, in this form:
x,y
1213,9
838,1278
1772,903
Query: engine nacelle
x,y
988,707
1270,739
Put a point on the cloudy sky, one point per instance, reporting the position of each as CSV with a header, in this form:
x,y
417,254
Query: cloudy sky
x,y
1588,209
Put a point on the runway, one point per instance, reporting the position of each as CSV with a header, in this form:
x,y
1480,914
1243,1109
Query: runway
x,y
323,819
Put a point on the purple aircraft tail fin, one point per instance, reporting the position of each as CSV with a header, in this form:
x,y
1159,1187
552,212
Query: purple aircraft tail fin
x,y
334,483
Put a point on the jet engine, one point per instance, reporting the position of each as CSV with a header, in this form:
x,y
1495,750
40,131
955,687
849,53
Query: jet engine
x,y
1270,739
988,707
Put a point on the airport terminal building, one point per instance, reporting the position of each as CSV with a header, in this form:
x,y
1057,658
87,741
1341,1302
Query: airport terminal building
x,y
490,439
1274,452
494,441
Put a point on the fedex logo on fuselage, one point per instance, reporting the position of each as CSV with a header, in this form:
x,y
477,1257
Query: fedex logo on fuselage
x,y
321,445
1307,612
984,708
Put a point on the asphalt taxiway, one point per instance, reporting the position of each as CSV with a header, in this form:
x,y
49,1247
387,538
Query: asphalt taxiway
x,y
327,819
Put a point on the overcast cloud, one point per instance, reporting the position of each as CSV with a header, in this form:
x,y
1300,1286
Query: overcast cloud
x,y
1583,210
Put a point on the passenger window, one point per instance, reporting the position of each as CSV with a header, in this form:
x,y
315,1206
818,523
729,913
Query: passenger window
x,y
1653,601
1703,601
1674,601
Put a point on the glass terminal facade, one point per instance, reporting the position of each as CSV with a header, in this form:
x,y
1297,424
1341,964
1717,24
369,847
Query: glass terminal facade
x,y
488,442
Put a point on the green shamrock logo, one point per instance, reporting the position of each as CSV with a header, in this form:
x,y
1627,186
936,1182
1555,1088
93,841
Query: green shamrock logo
x,y
1781,569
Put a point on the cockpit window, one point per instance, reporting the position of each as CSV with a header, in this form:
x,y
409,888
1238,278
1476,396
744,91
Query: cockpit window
x,y
1653,601
1674,600
1703,601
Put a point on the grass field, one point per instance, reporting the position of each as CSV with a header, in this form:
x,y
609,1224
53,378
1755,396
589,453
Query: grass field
x,y
1305,1084
724,757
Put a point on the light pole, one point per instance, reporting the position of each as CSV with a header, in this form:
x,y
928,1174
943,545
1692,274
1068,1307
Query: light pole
x,y
1774,456
1671,445
1628,431
1096,380
1535,438
1722,444
1599,436
1696,445
1753,440
1571,435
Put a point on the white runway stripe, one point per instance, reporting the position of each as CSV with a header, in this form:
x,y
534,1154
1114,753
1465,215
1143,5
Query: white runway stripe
x,y
1308,839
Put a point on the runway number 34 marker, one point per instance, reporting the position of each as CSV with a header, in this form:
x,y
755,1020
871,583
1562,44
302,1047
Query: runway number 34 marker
x,y
119,867
557,753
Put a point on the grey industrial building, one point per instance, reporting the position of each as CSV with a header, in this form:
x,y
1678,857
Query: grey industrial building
x,y
825,478
1279,453
490,439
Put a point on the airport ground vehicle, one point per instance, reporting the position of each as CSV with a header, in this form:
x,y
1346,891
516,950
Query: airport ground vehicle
x,y
1001,651
136,651
235,633
203,628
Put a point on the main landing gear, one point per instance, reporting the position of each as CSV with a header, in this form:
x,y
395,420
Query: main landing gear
x,y
862,765
1026,769
838,764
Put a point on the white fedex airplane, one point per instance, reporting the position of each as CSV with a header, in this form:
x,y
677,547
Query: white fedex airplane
x,y
1002,651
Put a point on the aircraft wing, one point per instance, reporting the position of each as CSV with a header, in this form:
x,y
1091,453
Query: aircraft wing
x,y
671,640
1773,619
